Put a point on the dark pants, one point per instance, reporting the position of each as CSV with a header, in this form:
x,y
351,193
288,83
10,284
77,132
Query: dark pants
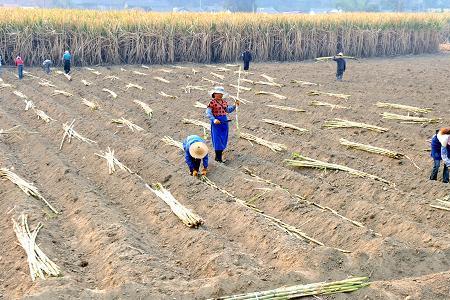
x,y
246,65
435,171
219,155
67,66
20,70
197,163
339,75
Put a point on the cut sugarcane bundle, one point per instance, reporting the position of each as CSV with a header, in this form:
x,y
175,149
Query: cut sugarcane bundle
x,y
188,88
86,83
112,161
270,83
371,149
111,93
9,131
90,104
96,73
247,80
243,101
212,81
291,230
39,264
297,291
132,85
6,85
167,95
42,115
140,73
87,68
29,105
222,69
288,108
200,105
410,119
122,70
267,77
46,83
64,93
165,70
205,125
340,123
189,218
300,82
217,75
404,107
301,161
326,58
318,93
195,71
171,142
271,145
131,125
442,204
70,133
112,78
178,67
284,125
27,187
241,88
148,111
326,104
161,79
278,96
231,65
145,67
20,95
245,73
66,75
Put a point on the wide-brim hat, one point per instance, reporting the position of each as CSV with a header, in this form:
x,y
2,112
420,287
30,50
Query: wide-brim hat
x,y
198,150
340,54
218,90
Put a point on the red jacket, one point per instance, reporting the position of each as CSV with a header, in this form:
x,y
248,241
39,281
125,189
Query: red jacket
x,y
19,61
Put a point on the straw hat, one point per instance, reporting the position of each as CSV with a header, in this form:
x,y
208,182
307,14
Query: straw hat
x,y
218,90
198,150
340,54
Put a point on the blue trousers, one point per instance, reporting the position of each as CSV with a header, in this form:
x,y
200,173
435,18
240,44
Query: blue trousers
x,y
435,171
20,70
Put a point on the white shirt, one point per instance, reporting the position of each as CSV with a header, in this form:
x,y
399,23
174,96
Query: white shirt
x,y
443,139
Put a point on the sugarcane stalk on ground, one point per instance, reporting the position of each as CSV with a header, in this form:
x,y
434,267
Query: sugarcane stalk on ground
x,y
148,111
243,101
327,58
410,119
161,79
64,93
300,82
9,131
86,83
167,95
288,108
189,218
278,96
313,289
20,95
212,81
132,85
111,93
269,83
27,187
239,87
318,93
442,204
90,104
200,105
69,133
403,107
341,123
271,145
39,264
301,161
129,124
205,125
188,88
171,142
332,106
372,149
111,161
284,125
42,115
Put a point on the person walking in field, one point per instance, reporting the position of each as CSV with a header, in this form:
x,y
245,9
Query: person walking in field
x,y
217,113
247,58
341,66
1,64
19,64
195,150
47,65
440,149
66,60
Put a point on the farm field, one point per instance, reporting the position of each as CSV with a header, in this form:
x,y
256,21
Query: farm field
x,y
115,239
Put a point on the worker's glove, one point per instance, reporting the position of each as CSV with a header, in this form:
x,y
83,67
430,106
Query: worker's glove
x,y
195,173
204,171
217,122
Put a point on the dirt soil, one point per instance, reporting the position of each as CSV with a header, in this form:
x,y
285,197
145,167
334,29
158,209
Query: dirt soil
x,y
114,239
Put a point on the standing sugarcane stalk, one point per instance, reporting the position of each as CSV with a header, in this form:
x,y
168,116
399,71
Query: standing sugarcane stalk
x,y
237,97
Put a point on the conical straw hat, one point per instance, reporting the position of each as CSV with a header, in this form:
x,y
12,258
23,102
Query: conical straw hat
x,y
198,150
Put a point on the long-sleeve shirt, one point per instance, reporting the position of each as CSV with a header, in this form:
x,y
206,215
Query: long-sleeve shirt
x,y
444,140
216,109
341,64
247,56
67,56
187,156
19,62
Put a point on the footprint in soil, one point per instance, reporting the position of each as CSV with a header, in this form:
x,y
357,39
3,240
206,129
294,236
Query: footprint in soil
x,y
83,263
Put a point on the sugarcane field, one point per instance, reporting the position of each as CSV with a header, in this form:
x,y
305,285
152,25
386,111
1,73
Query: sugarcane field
x,y
224,155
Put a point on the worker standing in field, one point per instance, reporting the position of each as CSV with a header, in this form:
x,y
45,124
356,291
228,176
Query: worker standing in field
x,y
47,65
217,113
440,150
247,58
1,64
66,60
195,150
341,66
19,64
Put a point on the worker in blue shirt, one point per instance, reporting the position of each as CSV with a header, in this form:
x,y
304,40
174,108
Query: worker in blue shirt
x,y
195,150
